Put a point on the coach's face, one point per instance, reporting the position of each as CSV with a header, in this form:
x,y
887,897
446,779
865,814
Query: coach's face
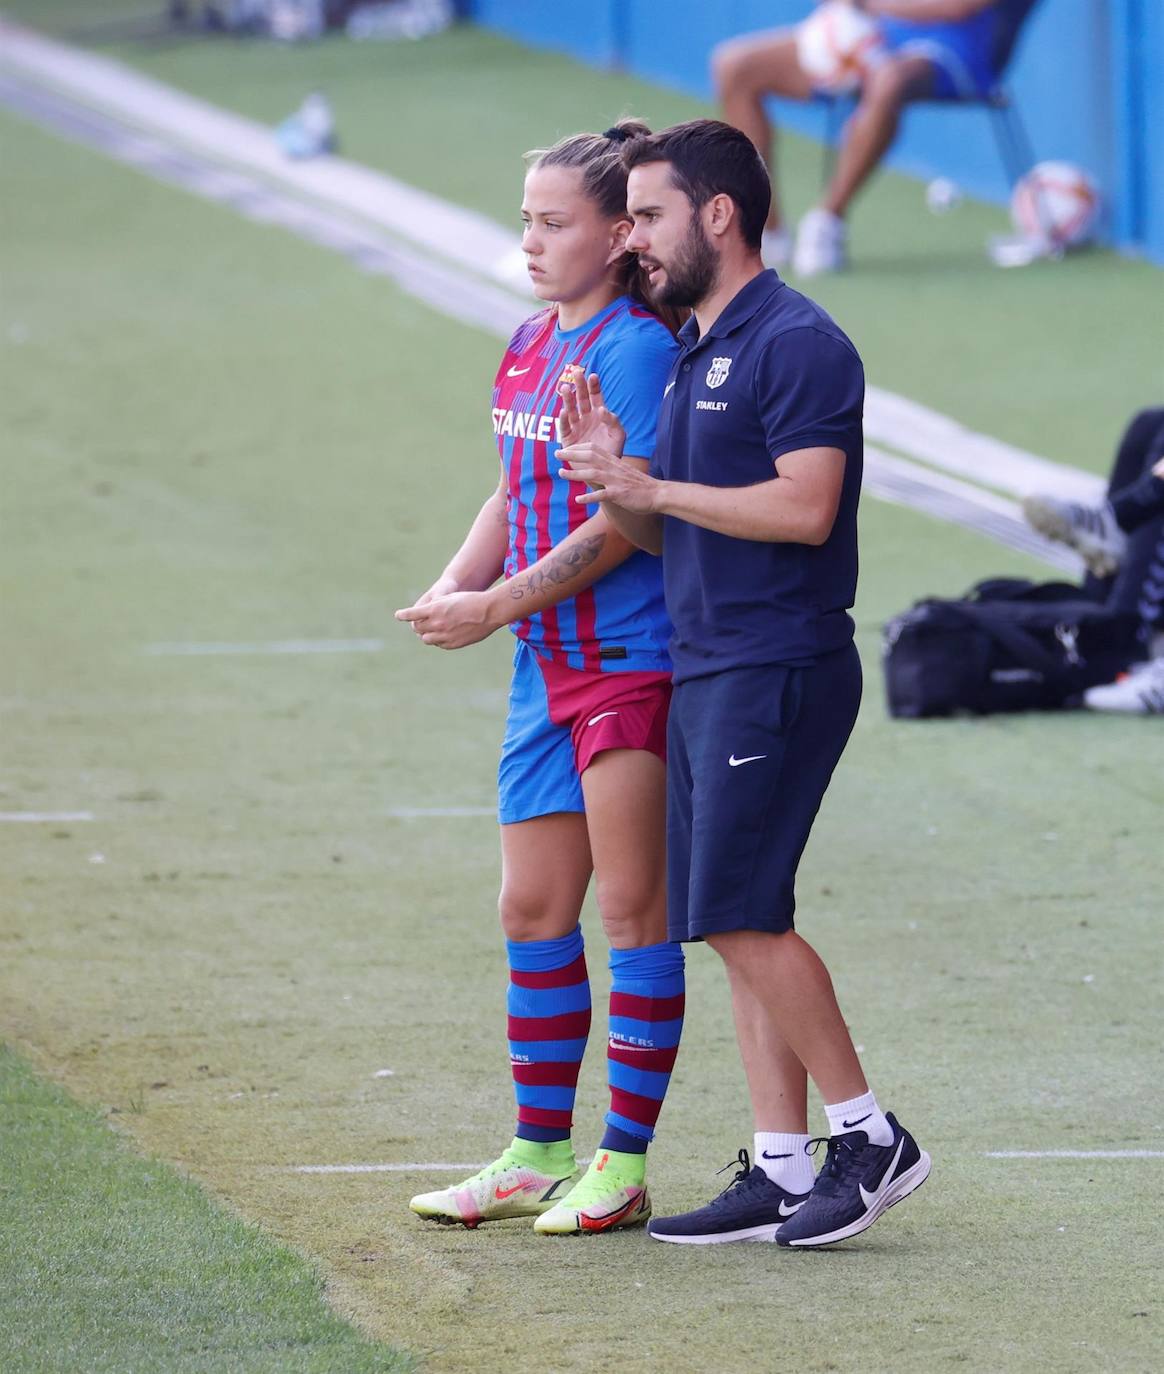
x,y
569,244
670,238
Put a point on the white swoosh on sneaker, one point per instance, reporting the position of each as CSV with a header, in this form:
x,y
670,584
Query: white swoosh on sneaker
x,y
518,371
786,1211
601,716
869,1199
734,762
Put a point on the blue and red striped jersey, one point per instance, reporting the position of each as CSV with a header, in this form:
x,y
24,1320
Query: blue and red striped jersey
x,y
618,623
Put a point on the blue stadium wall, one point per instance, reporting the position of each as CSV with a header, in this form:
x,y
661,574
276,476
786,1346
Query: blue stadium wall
x,y
1088,79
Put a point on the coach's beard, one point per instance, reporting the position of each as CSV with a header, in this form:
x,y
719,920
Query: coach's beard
x,y
693,275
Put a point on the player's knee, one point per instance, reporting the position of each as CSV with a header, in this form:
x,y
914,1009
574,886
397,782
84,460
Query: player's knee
x,y
731,68
887,86
632,914
525,914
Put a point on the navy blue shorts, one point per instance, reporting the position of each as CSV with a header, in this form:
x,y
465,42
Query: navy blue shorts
x,y
750,753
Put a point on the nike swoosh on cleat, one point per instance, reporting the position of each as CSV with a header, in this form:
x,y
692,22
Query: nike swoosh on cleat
x,y
734,762
869,1199
502,1193
601,716
517,371
848,1125
786,1211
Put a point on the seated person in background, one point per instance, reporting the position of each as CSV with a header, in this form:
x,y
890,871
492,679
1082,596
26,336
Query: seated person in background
x,y
938,50
1122,543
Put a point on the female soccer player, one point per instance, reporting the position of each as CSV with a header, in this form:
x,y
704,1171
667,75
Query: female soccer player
x,y
581,780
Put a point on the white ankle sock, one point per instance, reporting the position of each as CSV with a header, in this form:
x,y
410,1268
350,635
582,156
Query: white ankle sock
x,y
860,1114
784,1158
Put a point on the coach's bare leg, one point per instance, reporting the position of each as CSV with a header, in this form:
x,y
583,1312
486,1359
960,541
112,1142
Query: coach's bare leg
x,y
626,805
545,870
746,70
782,992
873,127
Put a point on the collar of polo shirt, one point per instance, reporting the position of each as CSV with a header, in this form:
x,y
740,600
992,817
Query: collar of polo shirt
x,y
738,311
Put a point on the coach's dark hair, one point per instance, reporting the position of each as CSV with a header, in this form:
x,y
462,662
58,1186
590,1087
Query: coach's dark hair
x,y
709,158
599,159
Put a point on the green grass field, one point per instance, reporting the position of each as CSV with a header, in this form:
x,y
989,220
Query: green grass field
x,y
215,432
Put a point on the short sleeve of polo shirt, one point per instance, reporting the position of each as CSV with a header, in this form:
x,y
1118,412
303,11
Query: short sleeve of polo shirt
x,y
810,391
633,376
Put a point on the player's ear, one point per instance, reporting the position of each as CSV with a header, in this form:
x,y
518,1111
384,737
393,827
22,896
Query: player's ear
x,y
620,232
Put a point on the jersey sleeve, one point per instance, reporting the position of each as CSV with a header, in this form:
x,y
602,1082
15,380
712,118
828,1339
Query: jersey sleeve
x,y
810,390
633,373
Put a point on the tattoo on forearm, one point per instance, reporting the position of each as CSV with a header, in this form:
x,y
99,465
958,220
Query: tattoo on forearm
x,y
560,568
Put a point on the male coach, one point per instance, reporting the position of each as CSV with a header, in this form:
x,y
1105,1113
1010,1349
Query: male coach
x,y
752,502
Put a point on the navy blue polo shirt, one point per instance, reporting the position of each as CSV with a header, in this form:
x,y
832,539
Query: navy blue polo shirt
x,y
772,375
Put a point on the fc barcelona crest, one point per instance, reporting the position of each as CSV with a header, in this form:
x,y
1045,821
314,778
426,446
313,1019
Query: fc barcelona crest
x,y
718,371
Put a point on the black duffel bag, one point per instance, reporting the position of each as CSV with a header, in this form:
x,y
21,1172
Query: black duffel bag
x,y
1007,645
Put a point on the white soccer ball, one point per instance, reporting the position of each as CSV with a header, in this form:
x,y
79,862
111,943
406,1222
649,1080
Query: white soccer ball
x,y
838,46
1055,203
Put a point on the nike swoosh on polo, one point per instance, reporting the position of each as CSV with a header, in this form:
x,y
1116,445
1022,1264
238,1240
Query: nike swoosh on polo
x,y
668,389
786,1211
734,762
869,1199
848,1125
502,1193
600,716
518,371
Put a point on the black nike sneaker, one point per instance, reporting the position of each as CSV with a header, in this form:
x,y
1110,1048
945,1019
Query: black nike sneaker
x,y
751,1207
859,1181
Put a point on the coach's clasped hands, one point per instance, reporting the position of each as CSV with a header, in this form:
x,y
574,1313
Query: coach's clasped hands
x,y
592,445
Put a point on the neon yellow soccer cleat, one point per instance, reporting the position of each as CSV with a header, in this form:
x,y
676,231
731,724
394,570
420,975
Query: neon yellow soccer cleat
x,y
524,1182
612,1193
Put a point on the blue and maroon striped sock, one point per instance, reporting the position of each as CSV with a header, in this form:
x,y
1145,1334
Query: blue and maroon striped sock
x,y
549,1020
646,1021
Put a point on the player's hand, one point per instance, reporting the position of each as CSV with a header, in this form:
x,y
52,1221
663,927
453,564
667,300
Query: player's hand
x,y
453,621
610,477
584,417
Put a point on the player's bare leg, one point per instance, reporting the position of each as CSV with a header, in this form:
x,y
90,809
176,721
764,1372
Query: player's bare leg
x,y
545,871
626,803
625,791
870,132
746,71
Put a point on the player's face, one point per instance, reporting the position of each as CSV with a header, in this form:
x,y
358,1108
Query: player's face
x,y
569,244
668,235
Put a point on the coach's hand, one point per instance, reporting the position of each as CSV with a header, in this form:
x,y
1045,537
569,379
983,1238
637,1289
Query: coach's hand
x,y
454,621
584,417
611,478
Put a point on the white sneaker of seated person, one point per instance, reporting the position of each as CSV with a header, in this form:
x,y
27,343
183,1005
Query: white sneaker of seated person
x,y
1092,531
1138,692
776,247
821,239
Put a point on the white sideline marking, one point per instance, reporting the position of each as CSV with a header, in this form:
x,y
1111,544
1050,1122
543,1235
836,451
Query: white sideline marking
x,y
383,1168
418,813
43,817
275,646
1074,1154
475,242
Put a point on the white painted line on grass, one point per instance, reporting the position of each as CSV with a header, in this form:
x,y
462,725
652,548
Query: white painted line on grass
x,y
424,813
274,646
384,1168
1074,1154
43,817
